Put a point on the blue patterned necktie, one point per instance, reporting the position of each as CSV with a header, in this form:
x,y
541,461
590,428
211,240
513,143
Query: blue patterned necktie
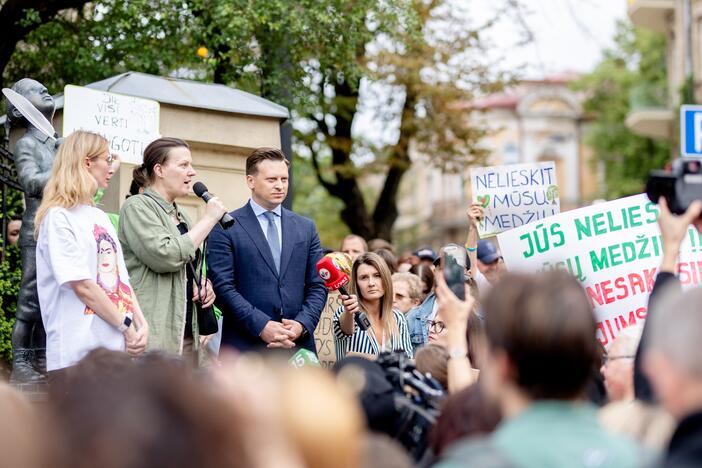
x,y
272,237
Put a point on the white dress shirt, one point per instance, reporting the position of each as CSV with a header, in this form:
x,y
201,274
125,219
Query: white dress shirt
x,y
263,221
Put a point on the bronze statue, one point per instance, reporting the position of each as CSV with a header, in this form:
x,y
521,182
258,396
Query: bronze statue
x,y
34,157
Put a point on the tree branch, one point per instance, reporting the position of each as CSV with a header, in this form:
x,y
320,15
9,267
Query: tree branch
x,y
329,186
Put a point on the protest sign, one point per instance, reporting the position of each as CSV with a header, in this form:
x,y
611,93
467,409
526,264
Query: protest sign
x,y
128,123
613,249
324,334
514,195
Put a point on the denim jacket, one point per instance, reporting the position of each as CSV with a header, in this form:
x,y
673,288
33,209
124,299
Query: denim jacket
x,y
417,321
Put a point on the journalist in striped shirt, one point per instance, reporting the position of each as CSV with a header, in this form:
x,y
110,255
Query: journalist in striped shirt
x,y
370,292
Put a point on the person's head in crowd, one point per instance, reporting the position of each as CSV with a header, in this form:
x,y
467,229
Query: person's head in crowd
x,y
139,182
353,246
672,360
389,258
433,359
408,291
618,366
83,164
332,438
426,278
468,277
475,336
381,451
426,256
490,262
22,442
267,177
371,281
13,230
463,414
150,416
378,243
167,168
100,363
541,339
406,261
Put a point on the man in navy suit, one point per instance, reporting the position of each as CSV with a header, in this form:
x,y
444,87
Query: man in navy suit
x,y
263,267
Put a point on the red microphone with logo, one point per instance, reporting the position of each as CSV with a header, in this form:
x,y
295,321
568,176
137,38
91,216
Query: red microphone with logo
x,y
335,280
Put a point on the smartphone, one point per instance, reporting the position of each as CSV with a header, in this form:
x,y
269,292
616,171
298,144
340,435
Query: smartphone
x,y
453,264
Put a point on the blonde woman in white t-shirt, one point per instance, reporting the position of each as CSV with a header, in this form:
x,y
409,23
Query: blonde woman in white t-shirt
x,y
76,248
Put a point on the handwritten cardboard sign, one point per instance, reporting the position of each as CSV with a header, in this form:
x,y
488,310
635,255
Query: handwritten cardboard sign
x,y
324,334
613,249
129,123
514,195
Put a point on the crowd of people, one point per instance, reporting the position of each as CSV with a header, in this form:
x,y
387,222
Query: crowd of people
x,y
509,375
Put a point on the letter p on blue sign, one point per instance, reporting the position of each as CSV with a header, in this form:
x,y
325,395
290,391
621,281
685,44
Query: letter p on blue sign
x,y
691,131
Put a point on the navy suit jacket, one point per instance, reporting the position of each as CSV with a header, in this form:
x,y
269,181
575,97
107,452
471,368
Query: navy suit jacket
x,y
249,290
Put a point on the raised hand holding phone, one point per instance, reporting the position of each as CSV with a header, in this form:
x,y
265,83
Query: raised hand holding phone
x,y
453,267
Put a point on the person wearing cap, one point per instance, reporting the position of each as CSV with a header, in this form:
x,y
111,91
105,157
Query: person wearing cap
x,y
426,255
490,262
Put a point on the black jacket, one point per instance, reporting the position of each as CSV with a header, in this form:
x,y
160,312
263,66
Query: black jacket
x,y
642,387
685,448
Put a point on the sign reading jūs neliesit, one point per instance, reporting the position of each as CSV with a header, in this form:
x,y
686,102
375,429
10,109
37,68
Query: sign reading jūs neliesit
x,y
612,248
129,123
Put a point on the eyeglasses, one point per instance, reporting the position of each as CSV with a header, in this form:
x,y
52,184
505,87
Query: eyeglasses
x,y
110,158
437,325
607,359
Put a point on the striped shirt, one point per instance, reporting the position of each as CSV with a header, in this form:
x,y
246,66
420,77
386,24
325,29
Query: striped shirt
x,y
364,341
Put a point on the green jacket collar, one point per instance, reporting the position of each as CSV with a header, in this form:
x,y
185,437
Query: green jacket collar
x,y
169,208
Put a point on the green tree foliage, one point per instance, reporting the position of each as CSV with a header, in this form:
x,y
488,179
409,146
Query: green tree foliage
x,y
637,62
102,39
310,55
10,277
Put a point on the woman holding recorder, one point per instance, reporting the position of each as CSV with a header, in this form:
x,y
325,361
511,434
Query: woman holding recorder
x,y
371,292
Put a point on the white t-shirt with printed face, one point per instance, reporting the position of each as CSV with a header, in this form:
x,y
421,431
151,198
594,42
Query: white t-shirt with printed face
x,y
79,244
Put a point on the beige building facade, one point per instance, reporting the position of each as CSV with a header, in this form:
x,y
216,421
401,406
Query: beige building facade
x,y
536,120
654,112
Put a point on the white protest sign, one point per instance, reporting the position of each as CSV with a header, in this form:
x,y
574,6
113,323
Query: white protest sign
x,y
514,195
613,249
129,123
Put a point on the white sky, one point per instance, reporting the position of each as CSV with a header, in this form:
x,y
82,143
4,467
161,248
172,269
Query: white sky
x,y
568,35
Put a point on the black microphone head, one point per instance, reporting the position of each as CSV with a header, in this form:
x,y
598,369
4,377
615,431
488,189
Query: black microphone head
x,y
199,188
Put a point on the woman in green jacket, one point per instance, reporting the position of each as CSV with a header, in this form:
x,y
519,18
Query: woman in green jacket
x,y
159,241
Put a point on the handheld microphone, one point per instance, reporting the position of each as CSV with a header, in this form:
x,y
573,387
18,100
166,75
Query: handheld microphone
x,y
201,191
335,279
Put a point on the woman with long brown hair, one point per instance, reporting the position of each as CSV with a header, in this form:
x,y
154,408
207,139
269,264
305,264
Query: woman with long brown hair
x,y
371,293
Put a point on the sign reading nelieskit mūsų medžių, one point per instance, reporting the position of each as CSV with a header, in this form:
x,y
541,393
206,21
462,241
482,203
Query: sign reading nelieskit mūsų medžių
x,y
514,195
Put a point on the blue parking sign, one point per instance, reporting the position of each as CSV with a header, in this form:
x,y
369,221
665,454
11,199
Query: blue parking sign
x,y
691,131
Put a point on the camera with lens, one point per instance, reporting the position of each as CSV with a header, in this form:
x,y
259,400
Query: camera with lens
x,y
680,186
398,400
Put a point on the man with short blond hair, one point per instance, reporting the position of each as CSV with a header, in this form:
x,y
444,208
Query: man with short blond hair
x,y
408,291
353,246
